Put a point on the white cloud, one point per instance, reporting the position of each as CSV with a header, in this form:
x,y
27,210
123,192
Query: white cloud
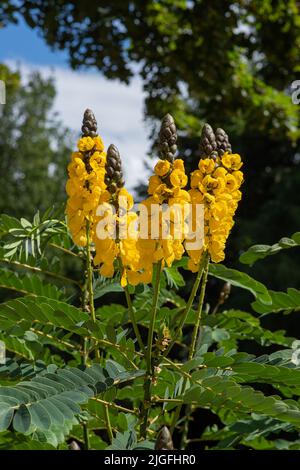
x,y
118,109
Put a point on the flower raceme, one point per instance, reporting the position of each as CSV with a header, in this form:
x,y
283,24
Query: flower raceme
x,y
171,220
116,234
165,205
215,184
86,181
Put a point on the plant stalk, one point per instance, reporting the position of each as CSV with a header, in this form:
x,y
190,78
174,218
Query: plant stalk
x,y
107,420
200,308
148,354
187,308
204,270
133,319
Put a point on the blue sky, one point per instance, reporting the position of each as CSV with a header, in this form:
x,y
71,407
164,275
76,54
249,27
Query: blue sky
x,y
118,108
19,42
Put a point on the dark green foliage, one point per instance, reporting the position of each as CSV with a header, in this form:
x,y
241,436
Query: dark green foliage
x,y
48,394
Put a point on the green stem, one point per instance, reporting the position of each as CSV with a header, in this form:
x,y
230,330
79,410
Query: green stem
x,y
107,420
89,271
113,405
84,359
148,354
187,309
41,271
88,288
200,308
153,318
86,436
90,274
204,270
64,250
133,319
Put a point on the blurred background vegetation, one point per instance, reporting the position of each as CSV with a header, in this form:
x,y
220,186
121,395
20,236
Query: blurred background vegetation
x,y
229,63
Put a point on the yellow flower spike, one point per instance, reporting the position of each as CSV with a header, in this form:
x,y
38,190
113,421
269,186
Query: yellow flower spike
x,y
215,185
165,190
86,181
117,223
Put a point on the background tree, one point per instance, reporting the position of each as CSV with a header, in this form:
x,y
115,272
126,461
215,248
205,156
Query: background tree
x,y
229,63
34,147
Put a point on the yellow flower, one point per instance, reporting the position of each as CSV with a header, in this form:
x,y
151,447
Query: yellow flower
x,y
125,199
85,144
168,243
217,187
97,160
208,184
84,187
98,142
226,160
178,178
236,161
231,161
73,187
162,192
80,239
120,242
238,175
196,196
220,172
180,196
154,182
77,169
206,165
162,167
231,183
196,178
178,164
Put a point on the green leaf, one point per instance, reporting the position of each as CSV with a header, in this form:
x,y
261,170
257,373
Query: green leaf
x,y
280,301
7,223
24,311
257,252
22,419
124,441
106,286
28,284
243,325
174,277
220,391
6,415
239,279
49,403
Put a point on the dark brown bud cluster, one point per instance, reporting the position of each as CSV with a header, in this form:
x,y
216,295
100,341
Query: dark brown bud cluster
x,y
89,124
213,144
164,440
113,167
223,143
167,139
208,143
